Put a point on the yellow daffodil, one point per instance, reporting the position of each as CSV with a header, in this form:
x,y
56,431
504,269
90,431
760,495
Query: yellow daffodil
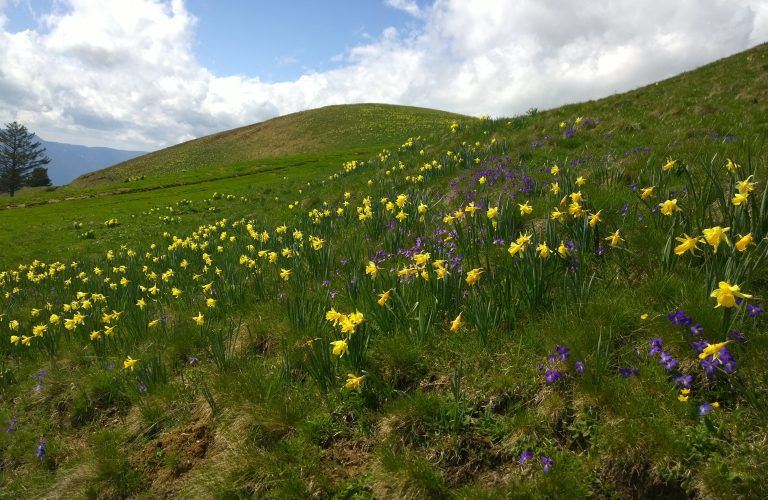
x,y
371,268
109,331
556,215
473,276
746,187
525,208
682,398
456,324
739,199
563,251
646,192
401,216
686,244
726,294
555,188
594,219
285,273
141,303
334,316
580,181
383,297
13,325
38,330
340,348
210,302
716,235
96,335
199,319
644,316
128,363
354,382
54,319
670,164
741,245
614,239
669,207
26,340
15,339
731,166
544,250
176,292
153,323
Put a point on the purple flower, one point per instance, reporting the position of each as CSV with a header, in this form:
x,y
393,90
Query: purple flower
x,y
525,456
684,381
40,451
111,367
552,376
10,427
640,217
704,409
552,356
39,388
192,361
580,367
679,318
753,309
540,367
40,375
625,372
738,337
636,372
547,462
700,346
633,186
563,352
655,346
637,352
334,293
696,330
709,366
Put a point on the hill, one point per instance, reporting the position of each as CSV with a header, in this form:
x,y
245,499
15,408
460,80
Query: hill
x,y
566,304
69,161
315,131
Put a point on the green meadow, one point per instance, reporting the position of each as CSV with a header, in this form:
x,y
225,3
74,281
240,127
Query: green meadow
x,y
374,302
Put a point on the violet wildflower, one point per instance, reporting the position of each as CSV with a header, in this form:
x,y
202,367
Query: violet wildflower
x,y
633,186
40,451
704,409
525,456
637,352
39,388
655,346
700,346
547,463
552,360
684,381
753,309
640,217
111,367
580,367
553,376
696,330
709,366
738,337
625,373
540,367
563,352
40,375
636,372
10,427
192,361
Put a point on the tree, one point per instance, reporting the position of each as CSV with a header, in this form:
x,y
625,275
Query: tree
x,y
18,155
39,178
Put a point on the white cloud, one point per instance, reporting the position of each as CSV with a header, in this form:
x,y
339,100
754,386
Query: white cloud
x,y
122,73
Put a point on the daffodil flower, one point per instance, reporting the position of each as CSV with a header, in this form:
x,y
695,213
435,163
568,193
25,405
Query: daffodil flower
x,y
726,295
340,348
741,245
199,319
614,239
456,324
669,206
686,244
128,363
525,208
716,235
354,382
473,276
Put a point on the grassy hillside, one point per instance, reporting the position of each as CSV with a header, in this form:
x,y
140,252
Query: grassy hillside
x,y
308,132
513,307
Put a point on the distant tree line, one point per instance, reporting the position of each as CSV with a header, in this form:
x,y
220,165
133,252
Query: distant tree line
x,y
21,160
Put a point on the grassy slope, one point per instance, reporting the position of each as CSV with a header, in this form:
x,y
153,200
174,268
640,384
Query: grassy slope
x,y
609,437
307,132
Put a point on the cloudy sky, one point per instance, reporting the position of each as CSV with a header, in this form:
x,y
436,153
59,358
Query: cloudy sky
x,y
147,74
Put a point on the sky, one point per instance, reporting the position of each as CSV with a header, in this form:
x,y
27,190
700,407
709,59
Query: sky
x,y
148,74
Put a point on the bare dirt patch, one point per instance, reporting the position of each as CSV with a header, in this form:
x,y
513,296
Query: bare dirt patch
x,y
166,460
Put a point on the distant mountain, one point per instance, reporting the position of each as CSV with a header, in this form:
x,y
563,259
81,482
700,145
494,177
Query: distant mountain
x,y
69,161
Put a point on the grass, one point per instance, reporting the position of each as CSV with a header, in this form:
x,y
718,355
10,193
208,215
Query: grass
x,y
253,403
308,132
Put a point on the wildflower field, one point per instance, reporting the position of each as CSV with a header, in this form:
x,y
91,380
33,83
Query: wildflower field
x,y
562,304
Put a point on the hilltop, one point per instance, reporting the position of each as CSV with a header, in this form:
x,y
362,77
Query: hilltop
x,y
319,130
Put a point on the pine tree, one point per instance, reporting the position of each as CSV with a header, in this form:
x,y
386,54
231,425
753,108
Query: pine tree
x,y
18,156
39,178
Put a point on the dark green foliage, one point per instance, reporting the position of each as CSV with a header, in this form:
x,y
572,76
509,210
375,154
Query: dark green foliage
x,y
18,156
